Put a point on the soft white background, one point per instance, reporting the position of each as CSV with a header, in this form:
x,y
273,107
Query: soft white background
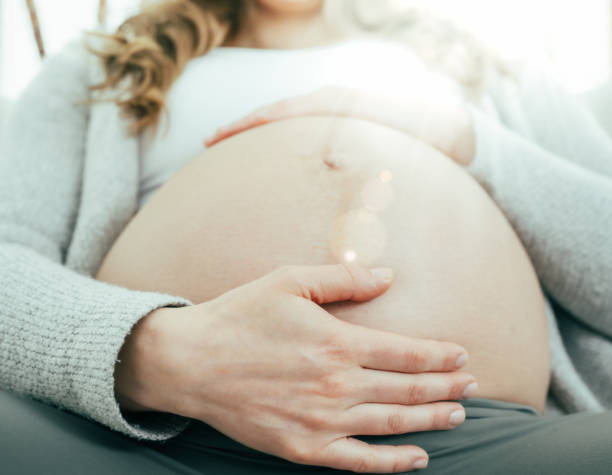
x,y
569,38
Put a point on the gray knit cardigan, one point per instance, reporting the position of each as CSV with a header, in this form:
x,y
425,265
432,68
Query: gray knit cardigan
x,y
69,183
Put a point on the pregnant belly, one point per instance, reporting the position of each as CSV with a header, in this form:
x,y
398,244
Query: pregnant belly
x,y
319,190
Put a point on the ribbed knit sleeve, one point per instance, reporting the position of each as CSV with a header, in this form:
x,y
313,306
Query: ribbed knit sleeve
x,y
60,331
560,205
60,336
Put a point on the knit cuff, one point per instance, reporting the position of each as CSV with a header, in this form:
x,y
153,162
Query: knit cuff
x,y
61,336
147,425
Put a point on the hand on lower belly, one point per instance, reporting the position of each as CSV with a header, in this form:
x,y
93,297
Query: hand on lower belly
x,y
268,367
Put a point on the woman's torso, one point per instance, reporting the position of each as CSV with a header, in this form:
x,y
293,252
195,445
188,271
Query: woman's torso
x,y
319,190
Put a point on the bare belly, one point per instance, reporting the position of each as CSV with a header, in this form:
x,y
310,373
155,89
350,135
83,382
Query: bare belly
x,y
319,190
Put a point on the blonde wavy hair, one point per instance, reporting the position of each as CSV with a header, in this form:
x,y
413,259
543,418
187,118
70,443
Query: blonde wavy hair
x,y
149,50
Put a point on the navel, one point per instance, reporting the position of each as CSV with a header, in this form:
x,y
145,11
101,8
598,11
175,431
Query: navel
x,y
334,159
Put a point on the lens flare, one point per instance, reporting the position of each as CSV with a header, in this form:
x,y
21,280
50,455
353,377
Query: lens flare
x,y
355,239
350,256
385,176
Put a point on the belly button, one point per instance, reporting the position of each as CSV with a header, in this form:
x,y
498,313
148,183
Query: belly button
x,y
334,160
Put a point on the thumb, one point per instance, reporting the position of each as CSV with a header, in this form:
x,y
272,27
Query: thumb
x,y
334,283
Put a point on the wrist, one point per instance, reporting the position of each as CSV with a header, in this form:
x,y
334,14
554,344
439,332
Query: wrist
x,y
135,369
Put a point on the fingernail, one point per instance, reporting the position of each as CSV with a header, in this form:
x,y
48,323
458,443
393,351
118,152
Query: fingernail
x,y
461,361
383,275
470,390
419,464
456,418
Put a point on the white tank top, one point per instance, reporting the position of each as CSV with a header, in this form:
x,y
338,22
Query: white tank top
x,y
229,82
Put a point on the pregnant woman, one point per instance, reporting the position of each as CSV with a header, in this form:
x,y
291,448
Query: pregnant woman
x,y
347,179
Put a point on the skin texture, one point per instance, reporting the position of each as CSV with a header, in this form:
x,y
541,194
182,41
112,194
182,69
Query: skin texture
x,y
276,195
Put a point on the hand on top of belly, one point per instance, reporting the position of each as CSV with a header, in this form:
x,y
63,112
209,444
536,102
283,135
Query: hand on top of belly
x,y
267,366
437,118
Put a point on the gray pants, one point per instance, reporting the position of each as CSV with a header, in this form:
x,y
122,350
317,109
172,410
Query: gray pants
x,y
497,438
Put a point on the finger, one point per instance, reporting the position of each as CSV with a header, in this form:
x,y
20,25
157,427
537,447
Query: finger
x,y
334,283
324,101
280,110
355,455
377,349
388,419
234,128
396,388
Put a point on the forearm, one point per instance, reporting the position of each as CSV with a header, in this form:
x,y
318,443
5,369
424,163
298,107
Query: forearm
x,y
61,333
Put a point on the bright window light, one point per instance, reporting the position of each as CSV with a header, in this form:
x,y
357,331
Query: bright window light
x,y
60,22
570,39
